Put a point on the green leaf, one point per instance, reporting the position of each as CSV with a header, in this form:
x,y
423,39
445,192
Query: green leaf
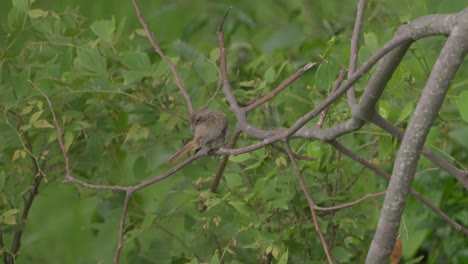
x,y
9,220
281,68
214,55
22,5
139,167
68,139
214,259
136,61
35,116
207,71
27,110
371,40
415,260
42,123
133,76
315,150
104,29
270,74
242,207
10,212
342,255
37,13
137,132
284,38
148,221
20,82
462,104
386,146
406,111
90,60
250,83
459,135
284,258
13,18
2,180
233,180
120,29
240,158
384,109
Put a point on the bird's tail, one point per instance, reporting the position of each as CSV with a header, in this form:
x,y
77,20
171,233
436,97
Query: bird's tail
x,y
183,151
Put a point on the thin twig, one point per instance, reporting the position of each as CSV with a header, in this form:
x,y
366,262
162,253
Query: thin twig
x,y
123,216
158,50
222,165
34,190
416,194
310,201
280,87
341,206
336,85
59,133
354,49
240,115
460,175
297,156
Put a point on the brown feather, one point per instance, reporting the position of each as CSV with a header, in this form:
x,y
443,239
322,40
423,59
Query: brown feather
x,y
190,146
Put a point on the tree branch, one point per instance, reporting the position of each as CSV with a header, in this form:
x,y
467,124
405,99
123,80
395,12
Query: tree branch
x,y
310,201
447,64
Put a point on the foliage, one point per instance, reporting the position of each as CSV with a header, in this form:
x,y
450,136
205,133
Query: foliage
x,y
123,116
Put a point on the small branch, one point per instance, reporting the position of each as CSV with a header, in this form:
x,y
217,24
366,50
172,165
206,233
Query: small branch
x,y
336,85
341,206
460,175
96,186
158,50
310,201
387,176
59,133
168,173
355,48
123,216
297,156
222,166
219,248
280,87
240,115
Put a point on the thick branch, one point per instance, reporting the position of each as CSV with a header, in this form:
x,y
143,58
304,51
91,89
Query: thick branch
x,y
404,168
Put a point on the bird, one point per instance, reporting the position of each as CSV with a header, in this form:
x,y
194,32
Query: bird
x,y
209,128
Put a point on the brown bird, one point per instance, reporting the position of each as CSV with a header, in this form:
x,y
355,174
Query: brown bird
x,y
209,128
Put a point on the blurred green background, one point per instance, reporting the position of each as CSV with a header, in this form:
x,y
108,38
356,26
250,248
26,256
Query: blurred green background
x,y
123,116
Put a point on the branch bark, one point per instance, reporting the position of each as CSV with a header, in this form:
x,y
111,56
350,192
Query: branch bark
x,y
404,168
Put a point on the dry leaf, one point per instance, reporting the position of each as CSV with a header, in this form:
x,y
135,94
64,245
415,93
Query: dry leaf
x,y
397,251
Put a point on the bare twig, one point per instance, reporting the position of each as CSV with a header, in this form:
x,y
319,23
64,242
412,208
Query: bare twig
x,y
123,216
345,205
460,175
280,87
355,48
158,50
222,165
240,115
297,156
310,201
384,174
337,84
33,191
59,133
